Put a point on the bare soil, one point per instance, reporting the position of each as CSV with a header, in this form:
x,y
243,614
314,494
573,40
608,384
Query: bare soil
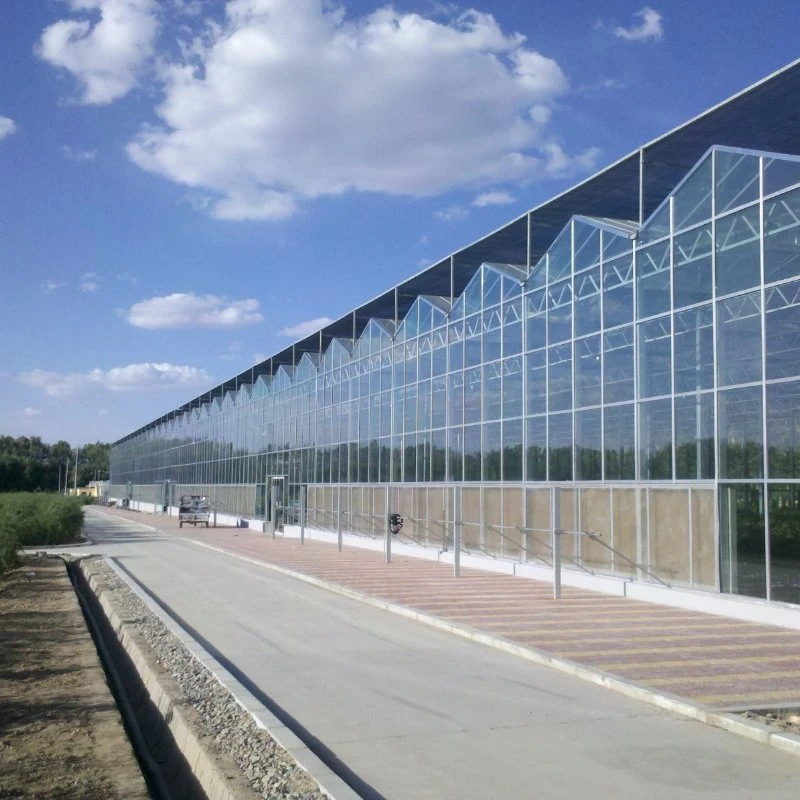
x,y
60,732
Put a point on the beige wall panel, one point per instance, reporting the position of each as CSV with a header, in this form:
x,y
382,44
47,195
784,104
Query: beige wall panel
x,y
624,511
595,516
669,533
537,502
569,522
513,498
471,505
379,510
471,538
704,549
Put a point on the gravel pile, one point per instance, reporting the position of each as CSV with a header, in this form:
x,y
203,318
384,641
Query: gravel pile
x,y
271,771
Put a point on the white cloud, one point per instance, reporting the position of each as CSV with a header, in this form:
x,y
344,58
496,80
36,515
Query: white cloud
x,y
493,199
649,28
89,282
31,412
127,277
451,213
291,99
117,379
188,310
304,329
50,285
7,126
72,154
106,48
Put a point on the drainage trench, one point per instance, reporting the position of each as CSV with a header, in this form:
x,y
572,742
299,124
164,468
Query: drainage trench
x,y
168,773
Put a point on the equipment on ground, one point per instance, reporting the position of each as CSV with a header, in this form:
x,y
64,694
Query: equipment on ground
x,y
194,509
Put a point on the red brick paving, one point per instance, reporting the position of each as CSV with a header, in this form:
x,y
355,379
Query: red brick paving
x,y
714,660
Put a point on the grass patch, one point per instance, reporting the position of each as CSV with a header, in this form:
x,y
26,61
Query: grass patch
x,y
36,519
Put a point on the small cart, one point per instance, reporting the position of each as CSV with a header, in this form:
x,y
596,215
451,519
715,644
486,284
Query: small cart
x,y
194,509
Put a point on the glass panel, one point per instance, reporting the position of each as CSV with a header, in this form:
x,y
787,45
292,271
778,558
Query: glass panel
x,y
738,257
560,256
492,449
694,349
472,395
784,542
588,376
455,454
587,245
536,455
472,340
692,201
536,319
694,436
456,399
472,452
536,395
782,237
692,271
492,390
740,433
511,288
618,365
655,434
492,326
587,302
491,287
780,173
742,543
538,276
739,339
512,387
618,291
560,447
736,176
615,244
783,330
657,226
653,281
559,321
588,446
473,294
783,430
620,442
512,327
655,358
559,377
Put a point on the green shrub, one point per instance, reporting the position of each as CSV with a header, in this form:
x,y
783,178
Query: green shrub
x,y
40,519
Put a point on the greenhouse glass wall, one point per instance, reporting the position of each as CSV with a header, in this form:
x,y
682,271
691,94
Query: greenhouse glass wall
x,y
646,367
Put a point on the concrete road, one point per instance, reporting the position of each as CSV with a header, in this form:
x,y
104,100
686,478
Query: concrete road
x,y
417,713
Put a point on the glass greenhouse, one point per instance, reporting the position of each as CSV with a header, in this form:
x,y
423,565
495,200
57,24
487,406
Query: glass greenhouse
x,y
633,342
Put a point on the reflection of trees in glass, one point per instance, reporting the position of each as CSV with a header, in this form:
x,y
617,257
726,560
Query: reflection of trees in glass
x,y
561,464
695,459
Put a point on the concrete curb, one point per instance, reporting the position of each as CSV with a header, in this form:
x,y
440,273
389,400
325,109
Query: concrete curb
x,y
748,729
329,782
219,781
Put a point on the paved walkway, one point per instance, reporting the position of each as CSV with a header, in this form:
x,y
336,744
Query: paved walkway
x,y
716,661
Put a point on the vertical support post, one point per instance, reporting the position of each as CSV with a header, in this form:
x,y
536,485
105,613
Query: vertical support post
x,y
388,530
273,502
456,531
303,505
339,518
555,523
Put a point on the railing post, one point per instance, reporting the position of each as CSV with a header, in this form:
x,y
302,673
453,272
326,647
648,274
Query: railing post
x,y
388,531
339,518
555,521
303,504
456,531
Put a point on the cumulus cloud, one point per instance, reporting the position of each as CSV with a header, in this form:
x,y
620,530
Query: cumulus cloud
x,y
288,100
303,329
73,154
105,49
188,310
7,126
451,213
117,379
51,286
649,28
31,412
493,199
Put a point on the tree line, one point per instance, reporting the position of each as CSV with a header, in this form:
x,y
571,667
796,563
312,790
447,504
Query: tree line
x,y
27,464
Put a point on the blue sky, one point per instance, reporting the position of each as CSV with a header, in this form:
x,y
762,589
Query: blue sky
x,y
188,185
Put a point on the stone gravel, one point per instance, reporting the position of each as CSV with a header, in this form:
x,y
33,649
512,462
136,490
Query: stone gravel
x,y
271,771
